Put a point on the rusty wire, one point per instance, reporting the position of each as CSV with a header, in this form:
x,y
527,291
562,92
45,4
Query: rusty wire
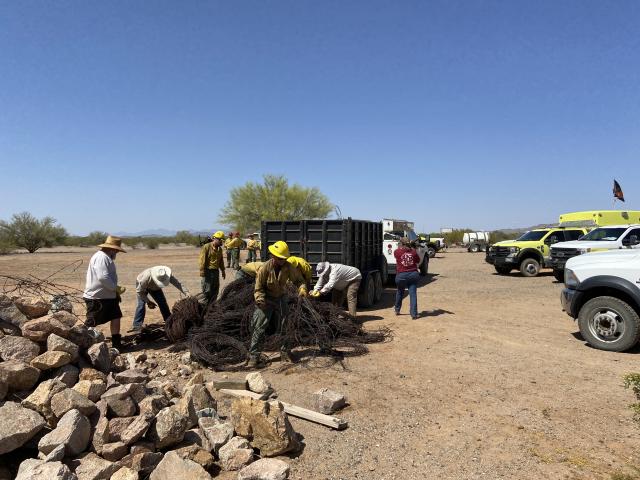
x,y
222,338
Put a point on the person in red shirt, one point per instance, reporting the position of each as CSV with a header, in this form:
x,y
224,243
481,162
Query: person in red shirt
x,y
407,276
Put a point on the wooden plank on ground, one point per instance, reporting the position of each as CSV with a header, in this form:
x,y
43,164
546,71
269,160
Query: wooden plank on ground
x,y
295,411
230,384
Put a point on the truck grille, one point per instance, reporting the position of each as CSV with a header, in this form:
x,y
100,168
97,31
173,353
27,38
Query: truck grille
x,y
564,253
501,251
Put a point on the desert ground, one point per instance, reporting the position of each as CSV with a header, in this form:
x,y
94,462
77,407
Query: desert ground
x,y
493,381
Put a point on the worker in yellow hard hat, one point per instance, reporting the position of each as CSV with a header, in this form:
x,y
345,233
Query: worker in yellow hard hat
x,y
271,299
253,246
211,265
249,270
302,266
234,245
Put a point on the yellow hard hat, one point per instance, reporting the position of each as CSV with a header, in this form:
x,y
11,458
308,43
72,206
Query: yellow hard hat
x,y
279,249
218,234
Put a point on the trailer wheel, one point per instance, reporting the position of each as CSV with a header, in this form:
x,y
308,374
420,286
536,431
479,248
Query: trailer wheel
x,y
384,270
474,248
378,288
424,266
367,293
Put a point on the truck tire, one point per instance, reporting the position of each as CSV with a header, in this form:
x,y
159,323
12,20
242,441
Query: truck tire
x,y
431,252
502,270
474,248
367,293
608,323
424,266
378,288
558,275
384,270
529,267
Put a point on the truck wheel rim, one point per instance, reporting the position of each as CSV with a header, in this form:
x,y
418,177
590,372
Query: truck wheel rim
x,y
531,268
607,326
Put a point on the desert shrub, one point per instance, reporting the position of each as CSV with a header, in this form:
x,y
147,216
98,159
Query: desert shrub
x,y
632,381
26,231
152,243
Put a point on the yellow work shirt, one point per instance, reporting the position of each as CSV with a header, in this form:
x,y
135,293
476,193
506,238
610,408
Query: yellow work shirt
x,y
210,258
273,285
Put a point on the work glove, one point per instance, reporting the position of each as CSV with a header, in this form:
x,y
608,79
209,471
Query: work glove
x,y
315,293
151,305
302,292
120,290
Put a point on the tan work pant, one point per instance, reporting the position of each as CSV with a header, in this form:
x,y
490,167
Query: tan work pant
x,y
337,297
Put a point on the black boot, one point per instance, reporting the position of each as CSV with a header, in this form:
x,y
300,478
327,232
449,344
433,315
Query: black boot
x,y
116,341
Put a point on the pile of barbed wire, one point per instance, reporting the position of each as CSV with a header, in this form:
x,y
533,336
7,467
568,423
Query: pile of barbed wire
x,y
219,335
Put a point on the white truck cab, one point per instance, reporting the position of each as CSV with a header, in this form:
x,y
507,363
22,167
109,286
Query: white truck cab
x,y
392,231
602,291
611,237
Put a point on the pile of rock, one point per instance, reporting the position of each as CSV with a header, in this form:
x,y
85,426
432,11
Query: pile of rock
x,y
73,408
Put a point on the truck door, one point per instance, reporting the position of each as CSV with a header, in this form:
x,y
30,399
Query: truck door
x,y
631,239
553,237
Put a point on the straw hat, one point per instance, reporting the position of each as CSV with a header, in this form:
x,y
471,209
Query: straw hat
x,y
161,275
114,243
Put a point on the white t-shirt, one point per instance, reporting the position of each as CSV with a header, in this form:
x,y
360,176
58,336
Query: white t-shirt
x,y
102,278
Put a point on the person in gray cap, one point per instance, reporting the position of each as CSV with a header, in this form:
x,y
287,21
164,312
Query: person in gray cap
x,y
339,280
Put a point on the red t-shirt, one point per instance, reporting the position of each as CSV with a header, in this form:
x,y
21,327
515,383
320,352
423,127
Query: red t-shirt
x,y
407,260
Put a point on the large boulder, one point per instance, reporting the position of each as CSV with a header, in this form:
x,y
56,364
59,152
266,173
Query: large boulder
x,y
101,435
10,313
32,469
125,474
117,426
201,399
120,407
69,399
18,348
100,357
92,389
327,401
265,469
17,426
168,427
93,467
114,451
173,467
61,323
40,399
92,374
266,423
55,343
136,429
236,454
143,463
133,375
153,404
73,430
217,433
257,383
50,360
19,376
67,374
197,454
32,307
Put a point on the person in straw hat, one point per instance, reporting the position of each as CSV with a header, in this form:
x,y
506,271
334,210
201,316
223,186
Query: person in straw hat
x,y
102,293
151,282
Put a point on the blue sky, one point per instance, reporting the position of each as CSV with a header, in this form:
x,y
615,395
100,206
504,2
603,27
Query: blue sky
x,y
127,116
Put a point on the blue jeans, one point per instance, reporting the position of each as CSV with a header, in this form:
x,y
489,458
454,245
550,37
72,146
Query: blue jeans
x,y
408,280
160,299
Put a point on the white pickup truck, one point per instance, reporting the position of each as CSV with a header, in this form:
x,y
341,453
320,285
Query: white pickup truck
x,y
612,237
602,291
393,231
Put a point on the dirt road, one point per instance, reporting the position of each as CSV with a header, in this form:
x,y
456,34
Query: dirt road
x,y
491,382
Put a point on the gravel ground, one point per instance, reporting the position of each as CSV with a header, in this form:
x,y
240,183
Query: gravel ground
x,y
493,381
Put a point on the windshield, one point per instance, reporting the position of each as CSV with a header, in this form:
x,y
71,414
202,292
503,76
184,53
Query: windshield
x,y
532,236
604,234
398,234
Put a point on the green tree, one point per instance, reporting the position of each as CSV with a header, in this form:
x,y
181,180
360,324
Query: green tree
x,y
28,232
274,199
